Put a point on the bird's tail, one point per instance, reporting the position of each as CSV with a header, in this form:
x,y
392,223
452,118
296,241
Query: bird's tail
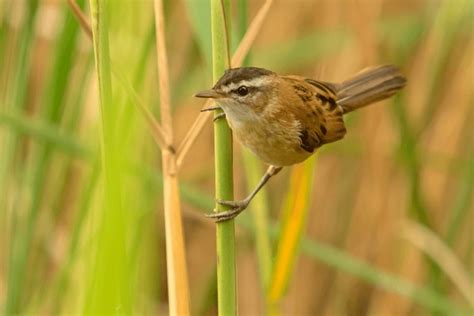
x,y
369,86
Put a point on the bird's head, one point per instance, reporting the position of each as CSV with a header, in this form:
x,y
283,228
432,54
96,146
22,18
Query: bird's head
x,y
243,93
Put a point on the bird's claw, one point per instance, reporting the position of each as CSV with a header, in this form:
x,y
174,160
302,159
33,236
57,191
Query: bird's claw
x,y
236,208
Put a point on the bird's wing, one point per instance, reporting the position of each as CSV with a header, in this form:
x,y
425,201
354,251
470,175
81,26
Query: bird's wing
x,y
317,110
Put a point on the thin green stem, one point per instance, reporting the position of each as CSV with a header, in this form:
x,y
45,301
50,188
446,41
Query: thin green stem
x,y
225,231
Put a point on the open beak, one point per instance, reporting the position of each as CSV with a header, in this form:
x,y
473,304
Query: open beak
x,y
210,94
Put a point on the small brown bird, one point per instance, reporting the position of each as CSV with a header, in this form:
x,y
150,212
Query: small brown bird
x,y
284,119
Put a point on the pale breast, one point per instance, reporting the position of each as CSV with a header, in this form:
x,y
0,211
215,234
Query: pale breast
x,y
276,142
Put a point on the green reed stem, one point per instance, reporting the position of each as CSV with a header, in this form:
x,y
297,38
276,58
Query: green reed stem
x,y
225,231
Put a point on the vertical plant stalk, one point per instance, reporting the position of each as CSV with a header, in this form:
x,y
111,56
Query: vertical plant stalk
x,y
225,231
178,288
109,284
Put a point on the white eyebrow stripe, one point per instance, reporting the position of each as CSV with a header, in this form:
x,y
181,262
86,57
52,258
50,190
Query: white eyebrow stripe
x,y
256,82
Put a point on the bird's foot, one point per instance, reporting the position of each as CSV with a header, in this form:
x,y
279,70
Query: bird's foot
x,y
236,208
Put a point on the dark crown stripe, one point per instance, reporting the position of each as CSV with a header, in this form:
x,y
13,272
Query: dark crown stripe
x,y
236,75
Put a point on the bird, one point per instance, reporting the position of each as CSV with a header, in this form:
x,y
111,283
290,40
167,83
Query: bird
x,y
284,119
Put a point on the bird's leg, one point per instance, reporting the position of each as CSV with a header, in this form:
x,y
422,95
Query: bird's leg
x,y
238,206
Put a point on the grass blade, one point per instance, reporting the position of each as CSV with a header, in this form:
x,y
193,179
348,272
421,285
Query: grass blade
x,y
293,224
433,246
109,283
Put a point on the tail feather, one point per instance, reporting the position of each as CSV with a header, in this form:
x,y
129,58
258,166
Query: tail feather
x,y
369,86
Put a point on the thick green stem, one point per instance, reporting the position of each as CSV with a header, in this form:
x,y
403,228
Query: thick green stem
x,y
109,281
226,285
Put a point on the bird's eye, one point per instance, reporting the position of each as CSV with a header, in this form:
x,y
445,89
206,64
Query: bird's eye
x,y
243,91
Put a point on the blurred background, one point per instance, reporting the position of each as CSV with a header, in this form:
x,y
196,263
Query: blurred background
x,y
388,213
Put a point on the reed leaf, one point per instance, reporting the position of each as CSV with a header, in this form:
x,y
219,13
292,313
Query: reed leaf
x,y
109,284
295,211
